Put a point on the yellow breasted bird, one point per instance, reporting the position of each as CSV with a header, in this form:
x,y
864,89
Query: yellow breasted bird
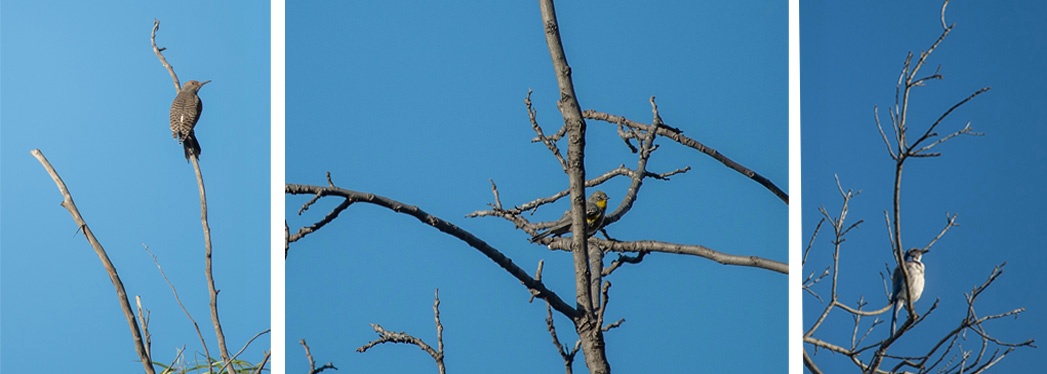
x,y
594,214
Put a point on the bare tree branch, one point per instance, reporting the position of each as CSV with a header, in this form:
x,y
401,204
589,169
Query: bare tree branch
x,y
678,137
404,338
158,51
208,272
439,333
312,363
445,227
121,294
143,321
585,320
265,360
684,249
549,142
624,259
565,354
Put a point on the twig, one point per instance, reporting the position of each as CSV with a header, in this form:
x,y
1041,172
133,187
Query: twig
x,y
550,142
538,278
439,333
565,354
312,364
179,300
249,341
143,320
624,259
385,336
158,51
265,360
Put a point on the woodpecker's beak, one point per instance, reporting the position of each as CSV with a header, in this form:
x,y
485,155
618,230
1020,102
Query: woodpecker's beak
x,y
205,82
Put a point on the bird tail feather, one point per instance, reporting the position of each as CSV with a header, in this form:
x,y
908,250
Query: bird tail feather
x,y
191,146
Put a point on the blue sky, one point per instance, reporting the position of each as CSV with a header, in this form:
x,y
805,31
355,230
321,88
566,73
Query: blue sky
x,y
851,55
81,83
423,103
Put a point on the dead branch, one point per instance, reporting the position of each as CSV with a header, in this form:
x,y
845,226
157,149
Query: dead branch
x,y
312,364
121,294
385,336
677,136
445,227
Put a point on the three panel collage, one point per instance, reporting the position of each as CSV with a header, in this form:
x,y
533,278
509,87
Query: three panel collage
x,y
747,186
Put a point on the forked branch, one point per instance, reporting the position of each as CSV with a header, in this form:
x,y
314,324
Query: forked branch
x,y
437,354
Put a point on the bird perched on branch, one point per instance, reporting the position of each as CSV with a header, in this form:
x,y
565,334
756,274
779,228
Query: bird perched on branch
x,y
594,215
915,269
185,111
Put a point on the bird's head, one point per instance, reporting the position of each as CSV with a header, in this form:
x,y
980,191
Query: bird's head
x,y
600,199
194,86
915,254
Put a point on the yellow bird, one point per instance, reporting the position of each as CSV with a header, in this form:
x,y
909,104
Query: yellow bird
x,y
594,214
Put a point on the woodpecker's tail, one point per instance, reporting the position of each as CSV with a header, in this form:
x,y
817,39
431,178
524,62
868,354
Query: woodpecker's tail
x,y
191,145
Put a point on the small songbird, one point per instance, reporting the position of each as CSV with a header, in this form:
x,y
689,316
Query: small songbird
x,y
185,112
594,215
915,269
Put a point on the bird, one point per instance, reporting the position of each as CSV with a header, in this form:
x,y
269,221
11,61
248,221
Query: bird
x,y
594,216
915,269
185,112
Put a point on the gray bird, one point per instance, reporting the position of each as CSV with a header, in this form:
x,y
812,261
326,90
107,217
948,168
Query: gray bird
x,y
185,112
916,272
